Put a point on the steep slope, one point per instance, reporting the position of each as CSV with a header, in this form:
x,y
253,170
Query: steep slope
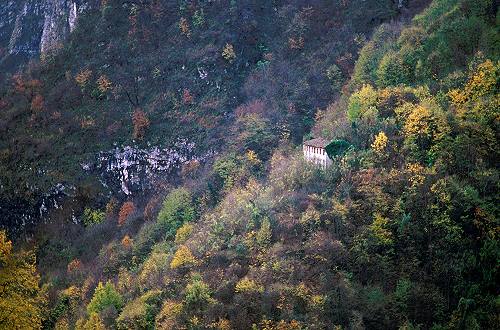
x,y
400,232
136,77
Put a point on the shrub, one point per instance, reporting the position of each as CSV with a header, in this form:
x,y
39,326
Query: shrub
x,y
228,53
37,104
337,148
184,27
22,302
380,143
126,281
198,18
92,217
83,77
264,234
187,97
141,123
74,266
127,241
311,218
254,132
111,207
151,208
103,85
424,128
246,285
380,231
148,235
183,233
227,169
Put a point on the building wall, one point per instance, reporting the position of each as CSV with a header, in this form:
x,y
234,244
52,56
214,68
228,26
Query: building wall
x,y
317,156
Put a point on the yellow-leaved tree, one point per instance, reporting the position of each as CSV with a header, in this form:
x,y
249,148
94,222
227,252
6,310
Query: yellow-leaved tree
x,y
22,301
380,143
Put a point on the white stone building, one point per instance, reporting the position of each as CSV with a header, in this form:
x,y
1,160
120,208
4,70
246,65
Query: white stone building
x,y
315,152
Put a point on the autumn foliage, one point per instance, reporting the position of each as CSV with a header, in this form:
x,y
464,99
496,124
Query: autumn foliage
x,y
22,301
141,123
74,266
37,104
104,84
183,258
127,241
127,209
400,231
83,77
184,27
187,97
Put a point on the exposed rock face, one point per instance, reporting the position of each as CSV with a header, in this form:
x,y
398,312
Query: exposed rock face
x,y
129,169
122,171
31,27
21,26
59,21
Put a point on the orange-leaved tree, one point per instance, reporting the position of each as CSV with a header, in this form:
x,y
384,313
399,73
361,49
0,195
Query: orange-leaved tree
x,y
141,123
127,209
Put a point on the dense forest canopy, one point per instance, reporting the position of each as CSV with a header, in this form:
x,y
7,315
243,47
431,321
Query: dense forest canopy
x,y
238,230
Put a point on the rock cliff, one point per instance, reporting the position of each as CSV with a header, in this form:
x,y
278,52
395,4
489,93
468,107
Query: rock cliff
x,y
29,28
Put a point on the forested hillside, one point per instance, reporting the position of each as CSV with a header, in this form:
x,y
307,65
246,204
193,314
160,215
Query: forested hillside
x,y
148,74
235,229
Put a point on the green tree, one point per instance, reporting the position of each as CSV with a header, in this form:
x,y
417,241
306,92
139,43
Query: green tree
x,y
227,169
140,312
361,102
92,217
264,235
198,294
105,296
336,77
365,70
392,71
255,132
93,323
177,209
401,297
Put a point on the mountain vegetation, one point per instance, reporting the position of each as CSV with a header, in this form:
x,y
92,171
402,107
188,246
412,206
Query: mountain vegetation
x,y
400,232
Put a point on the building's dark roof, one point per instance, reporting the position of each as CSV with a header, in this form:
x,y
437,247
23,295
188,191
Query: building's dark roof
x,y
318,143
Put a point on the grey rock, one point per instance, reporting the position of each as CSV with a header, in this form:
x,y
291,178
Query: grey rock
x,y
29,28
